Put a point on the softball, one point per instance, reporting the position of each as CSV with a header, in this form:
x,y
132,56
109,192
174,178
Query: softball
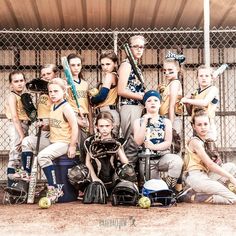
x,y
93,92
144,202
231,187
44,203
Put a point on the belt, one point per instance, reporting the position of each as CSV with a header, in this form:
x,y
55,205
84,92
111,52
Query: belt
x,y
153,156
111,107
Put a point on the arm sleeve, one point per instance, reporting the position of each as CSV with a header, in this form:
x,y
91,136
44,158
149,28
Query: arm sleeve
x,y
102,95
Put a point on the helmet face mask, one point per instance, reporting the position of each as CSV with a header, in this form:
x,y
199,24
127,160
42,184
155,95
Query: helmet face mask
x,y
16,193
125,193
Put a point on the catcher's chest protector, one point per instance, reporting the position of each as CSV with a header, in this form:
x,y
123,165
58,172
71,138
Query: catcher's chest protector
x,y
104,168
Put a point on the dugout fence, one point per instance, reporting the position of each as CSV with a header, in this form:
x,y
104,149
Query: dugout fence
x,y
28,50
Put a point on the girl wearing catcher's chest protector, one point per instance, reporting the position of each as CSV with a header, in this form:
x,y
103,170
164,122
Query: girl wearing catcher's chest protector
x,y
207,178
102,168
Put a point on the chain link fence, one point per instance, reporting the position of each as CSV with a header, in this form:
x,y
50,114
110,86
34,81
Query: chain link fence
x,y
28,50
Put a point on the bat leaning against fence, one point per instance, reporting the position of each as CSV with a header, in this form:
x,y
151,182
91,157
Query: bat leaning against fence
x,y
34,172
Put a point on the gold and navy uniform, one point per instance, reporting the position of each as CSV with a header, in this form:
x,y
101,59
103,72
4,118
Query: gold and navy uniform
x,y
60,130
82,91
19,109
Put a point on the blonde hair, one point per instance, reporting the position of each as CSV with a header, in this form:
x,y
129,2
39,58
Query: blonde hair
x,y
205,67
132,38
59,81
52,66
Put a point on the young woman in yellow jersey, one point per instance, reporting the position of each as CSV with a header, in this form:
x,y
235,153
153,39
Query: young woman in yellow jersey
x,y
206,178
48,72
205,97
84,114
106,99
63,135
19,123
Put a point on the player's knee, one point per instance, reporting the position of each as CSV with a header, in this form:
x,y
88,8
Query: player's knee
x,y
25,144
44,161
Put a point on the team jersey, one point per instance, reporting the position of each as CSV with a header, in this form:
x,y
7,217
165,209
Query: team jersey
x,y
60,130
82,91
104,167
19,108
135,86
44,106
165,102
192,161
111,97
157,130
211,107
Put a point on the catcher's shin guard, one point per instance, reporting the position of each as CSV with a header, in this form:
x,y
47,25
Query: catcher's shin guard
x,y
171,182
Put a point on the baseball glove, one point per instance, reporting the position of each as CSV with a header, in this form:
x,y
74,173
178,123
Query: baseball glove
x,y
212,151
28,106
100,148
37,85
126,172
95,193
78,176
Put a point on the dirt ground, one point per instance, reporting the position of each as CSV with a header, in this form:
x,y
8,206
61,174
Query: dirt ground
x,y
76,218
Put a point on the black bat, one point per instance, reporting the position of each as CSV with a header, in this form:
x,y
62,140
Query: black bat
x,y
133,63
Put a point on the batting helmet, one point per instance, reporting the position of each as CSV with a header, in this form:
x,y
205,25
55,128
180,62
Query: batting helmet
x,y
125,193
158,191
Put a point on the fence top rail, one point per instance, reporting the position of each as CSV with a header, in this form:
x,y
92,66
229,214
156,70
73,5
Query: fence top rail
x,y
164,31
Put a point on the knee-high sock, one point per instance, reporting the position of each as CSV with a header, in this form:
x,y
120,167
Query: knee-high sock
x,y
49,172
26,158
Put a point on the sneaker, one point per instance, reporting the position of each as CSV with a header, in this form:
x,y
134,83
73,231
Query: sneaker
x,y
186,195
54,193
20,175
80,195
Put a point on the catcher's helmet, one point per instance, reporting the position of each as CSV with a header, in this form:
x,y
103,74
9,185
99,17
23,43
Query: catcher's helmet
x,y
158,191
125,193
78,176
16,193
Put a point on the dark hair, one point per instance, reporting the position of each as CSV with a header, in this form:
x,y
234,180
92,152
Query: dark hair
x,y
15,72
197,113
72,56
109,54
104,115
52,66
